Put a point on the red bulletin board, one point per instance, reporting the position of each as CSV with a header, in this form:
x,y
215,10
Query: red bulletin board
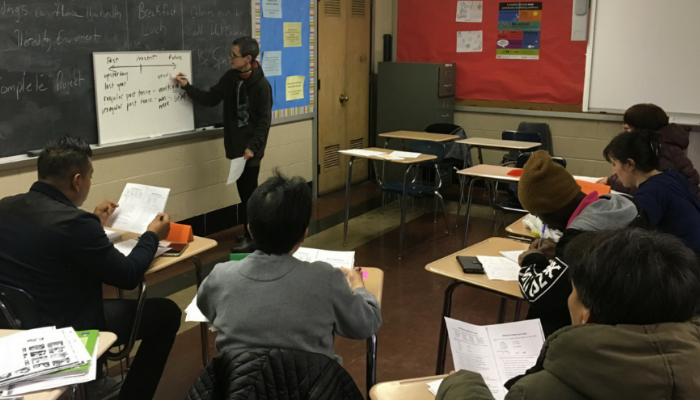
x,y
427,32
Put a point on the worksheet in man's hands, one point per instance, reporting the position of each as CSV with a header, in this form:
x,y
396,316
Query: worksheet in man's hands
x,y
138,206
497,352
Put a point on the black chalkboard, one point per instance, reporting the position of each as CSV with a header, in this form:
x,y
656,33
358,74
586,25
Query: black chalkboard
x,y
46,74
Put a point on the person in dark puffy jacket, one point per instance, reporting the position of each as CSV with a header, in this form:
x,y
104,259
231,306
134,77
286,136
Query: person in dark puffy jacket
x,y
674,142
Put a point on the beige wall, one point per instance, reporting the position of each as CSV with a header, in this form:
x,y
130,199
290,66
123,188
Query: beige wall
x,y
195,170
382,25
580,142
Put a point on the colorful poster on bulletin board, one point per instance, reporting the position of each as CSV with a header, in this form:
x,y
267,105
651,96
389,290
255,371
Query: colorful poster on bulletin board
x,y
519,30
286,36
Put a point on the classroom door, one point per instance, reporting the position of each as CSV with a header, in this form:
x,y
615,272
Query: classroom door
x,y
343,95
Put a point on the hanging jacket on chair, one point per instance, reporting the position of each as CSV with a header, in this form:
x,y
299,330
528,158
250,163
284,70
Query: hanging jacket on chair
x,y
273,374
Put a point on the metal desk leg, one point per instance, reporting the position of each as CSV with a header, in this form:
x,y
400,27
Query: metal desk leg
x,y
203,328
469,211
128,346
371,362
347,201
502,310
481,158
403,209
462,180
446,308
518,303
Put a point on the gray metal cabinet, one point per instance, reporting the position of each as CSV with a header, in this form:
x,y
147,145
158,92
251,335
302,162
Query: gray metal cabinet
x,y
411,96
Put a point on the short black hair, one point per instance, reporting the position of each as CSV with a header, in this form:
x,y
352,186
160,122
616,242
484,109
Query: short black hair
x,y
63,158
279,211
645,116
642,146
634,276
248,46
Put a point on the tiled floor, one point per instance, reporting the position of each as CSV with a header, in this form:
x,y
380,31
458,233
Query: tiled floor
x,y
412,301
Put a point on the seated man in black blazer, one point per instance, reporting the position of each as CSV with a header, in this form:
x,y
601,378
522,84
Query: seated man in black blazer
x,y
60,255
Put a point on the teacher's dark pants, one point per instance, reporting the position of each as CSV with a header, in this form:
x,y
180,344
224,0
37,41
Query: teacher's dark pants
x,y
246,184
159,324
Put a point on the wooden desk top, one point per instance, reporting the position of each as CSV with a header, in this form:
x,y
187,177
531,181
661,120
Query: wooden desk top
x,y
375,282
450,268
421,158
519,229
197,246
499,144
106,341
412,135
486,171
407,389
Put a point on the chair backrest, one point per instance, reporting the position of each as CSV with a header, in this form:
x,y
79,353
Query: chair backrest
x,y
523,157
273,374
17,309
543,130
436,149
238,256
519,136
447,129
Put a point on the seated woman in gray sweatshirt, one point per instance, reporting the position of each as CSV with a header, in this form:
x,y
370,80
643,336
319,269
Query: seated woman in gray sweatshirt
x,y
272,300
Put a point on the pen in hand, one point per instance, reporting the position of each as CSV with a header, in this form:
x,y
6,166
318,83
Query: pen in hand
x,y
539,245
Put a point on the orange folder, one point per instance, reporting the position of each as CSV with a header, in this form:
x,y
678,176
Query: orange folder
x,y
515,172
180,233
589,187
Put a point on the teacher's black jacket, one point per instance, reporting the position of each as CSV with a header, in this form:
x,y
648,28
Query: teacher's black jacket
x,y
259,93
60,255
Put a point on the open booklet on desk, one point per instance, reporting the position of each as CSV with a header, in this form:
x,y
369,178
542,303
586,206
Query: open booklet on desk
x,y
138,206
497,352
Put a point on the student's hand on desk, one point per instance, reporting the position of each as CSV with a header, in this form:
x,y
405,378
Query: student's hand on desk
x,y
602,181
547,249
248,154
355,278
104,210
160,226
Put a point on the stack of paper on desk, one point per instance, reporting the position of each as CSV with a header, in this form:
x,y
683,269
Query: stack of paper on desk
x,y
113,236
497,352
345,259
434,386
47,358
364,153
127,246
138,206
500,268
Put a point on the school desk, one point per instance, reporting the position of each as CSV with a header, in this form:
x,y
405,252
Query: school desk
x,y
406,389
449,267
406,162
497,144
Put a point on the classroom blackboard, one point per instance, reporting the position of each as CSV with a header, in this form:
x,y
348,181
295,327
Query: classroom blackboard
x,y
46,75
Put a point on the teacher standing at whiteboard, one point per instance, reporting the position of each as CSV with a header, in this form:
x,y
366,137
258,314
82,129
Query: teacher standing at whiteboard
x,y
247,97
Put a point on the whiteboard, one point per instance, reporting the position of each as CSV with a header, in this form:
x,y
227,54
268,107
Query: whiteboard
x,y
137,96
644,51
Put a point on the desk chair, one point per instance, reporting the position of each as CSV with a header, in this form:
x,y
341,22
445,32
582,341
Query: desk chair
x,y
543,130
18,308
414,189
457,156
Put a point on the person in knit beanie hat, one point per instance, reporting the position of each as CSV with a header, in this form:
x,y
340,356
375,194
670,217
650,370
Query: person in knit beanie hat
x,y
545,188
549,192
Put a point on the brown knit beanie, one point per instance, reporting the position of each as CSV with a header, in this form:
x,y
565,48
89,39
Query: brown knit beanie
x,y
545,186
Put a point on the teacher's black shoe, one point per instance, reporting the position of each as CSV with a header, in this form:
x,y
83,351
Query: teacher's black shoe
x,y
247,245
